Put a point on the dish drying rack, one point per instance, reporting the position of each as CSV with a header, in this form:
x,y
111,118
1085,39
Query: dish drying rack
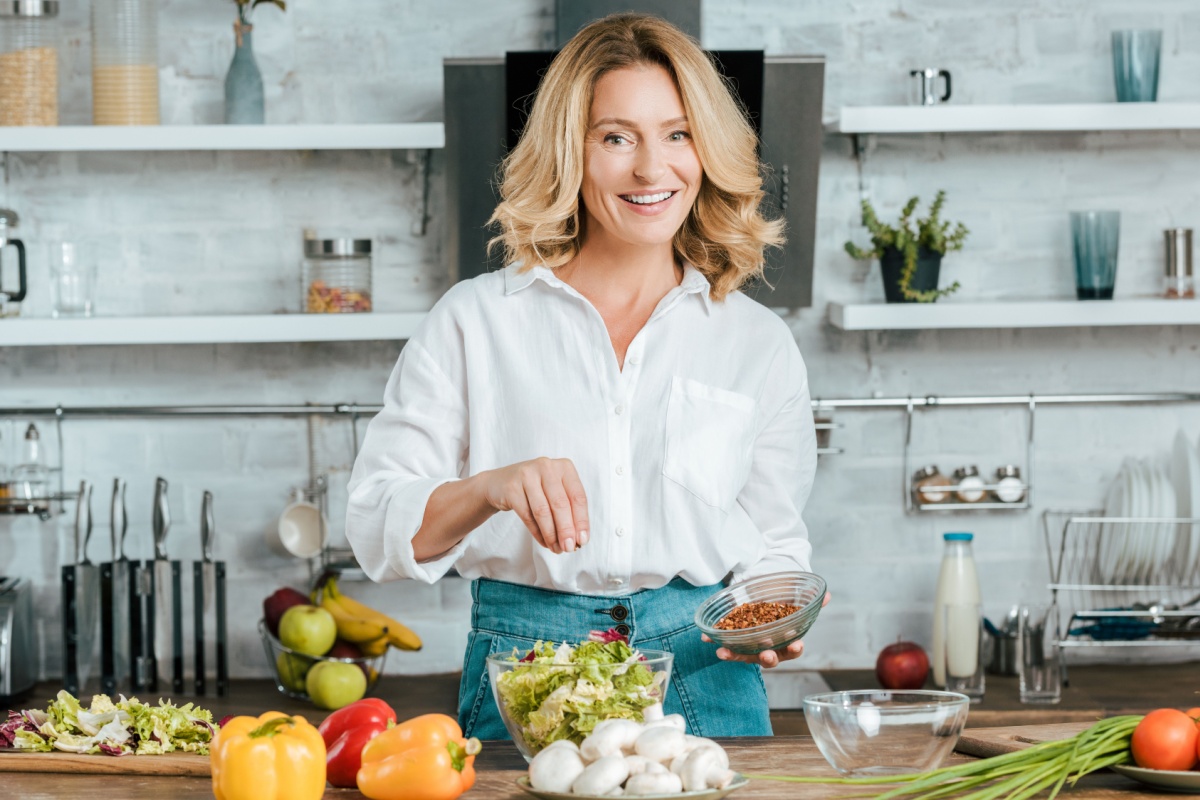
x,y
1124,581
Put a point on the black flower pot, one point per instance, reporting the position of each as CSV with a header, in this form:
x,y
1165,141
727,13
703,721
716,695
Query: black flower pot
x,y
925,278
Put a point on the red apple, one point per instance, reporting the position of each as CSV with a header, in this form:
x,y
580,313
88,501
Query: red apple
x,y
343,649
902,665
279,602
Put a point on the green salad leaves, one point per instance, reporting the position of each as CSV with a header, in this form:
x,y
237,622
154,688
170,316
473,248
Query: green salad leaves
x,y
556,693
127,727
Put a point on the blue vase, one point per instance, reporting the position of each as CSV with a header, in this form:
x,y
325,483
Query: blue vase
x,y
243,84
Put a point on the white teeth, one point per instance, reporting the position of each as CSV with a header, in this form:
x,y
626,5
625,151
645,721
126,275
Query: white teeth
x,y
646,199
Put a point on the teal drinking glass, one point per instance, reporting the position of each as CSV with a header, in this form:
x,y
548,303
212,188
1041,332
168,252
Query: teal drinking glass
x,y
1095,235
1135,65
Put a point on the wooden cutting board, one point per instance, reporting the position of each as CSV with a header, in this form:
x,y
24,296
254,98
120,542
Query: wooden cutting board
x,y
987,742
166,764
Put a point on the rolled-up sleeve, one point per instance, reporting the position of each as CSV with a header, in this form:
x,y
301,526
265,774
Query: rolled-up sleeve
x,y
413,446
784,464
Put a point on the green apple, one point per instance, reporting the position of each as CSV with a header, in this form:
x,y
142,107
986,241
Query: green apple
x,y
333,684
292,670
308,629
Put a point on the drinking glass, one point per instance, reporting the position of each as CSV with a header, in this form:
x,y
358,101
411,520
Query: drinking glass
x,y
1135,65
963,650
1095,236
1039,654
72,281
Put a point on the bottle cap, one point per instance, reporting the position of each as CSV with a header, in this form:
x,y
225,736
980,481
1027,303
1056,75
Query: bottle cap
x,y
31,433
969,470
1008,471
926,472
958,537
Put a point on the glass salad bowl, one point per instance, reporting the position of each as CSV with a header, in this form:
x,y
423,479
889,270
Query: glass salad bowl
x,y
880,732
564,691
804,590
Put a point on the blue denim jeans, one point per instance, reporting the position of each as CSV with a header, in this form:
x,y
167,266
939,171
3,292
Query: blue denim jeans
x,y
717,698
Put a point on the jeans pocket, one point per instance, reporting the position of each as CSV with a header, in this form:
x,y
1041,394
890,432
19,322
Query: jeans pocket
x,y
709,441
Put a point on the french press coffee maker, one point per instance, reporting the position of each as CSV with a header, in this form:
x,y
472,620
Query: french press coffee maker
x,y
8,297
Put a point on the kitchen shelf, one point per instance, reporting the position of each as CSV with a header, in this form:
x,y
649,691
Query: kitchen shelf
x,y
85,138
1036,118
1032,314
17,332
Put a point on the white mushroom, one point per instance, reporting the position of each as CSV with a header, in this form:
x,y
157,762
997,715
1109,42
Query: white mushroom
x,y
691,743
608,737
555,768
703,769
639,764
652,713
674,720
602,776
660,743
654,783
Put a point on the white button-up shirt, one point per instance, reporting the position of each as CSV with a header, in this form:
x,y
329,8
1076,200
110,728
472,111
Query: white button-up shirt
x,y
697,457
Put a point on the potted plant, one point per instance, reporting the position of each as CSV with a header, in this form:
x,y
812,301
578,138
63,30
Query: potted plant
x,y
911,259
243,83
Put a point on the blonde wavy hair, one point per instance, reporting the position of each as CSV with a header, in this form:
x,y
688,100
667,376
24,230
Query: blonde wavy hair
x,y
540,213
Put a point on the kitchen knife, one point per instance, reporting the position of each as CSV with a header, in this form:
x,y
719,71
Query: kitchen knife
x,y
113,578
162,632
204,580
87,594
70,668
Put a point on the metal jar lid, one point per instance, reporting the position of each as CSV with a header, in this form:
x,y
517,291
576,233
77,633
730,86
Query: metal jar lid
x,y
926,472
29,8
1008,471
966,472
337,247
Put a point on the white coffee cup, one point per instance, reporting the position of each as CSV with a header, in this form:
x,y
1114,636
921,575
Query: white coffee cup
x,y
300,531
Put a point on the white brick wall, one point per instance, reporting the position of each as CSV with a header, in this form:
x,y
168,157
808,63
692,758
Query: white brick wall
x,y
202,232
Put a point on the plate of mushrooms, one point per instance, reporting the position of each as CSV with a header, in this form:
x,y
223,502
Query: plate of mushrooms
x,y
654,759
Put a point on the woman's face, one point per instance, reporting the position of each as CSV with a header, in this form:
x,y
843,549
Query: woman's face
x,y
641,172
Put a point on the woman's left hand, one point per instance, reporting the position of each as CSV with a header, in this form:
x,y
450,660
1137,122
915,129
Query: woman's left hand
x,y
767,658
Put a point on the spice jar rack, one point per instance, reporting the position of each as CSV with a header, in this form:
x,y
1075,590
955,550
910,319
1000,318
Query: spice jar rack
x,y
913,505
824,424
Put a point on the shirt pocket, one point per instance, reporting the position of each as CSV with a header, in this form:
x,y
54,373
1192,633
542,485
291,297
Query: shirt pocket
x,y
710,436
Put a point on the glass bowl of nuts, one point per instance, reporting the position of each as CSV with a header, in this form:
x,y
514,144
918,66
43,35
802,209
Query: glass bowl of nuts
x,y
765,613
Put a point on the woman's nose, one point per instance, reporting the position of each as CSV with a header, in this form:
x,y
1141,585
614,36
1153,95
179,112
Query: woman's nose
x,y
651,163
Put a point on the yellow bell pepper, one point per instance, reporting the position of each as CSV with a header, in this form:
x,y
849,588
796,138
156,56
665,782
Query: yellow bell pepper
x,y
272,757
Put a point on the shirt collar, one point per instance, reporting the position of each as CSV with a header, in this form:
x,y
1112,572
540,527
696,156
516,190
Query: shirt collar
x,y
693,281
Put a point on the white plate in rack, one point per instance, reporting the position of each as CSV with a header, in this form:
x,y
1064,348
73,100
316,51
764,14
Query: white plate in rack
x,y
1111,542
1185,474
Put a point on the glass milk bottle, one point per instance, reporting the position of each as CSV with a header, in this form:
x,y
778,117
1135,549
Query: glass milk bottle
x,y
958,584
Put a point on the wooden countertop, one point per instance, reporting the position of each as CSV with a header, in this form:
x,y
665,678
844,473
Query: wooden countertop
x,y
500,765
1094,691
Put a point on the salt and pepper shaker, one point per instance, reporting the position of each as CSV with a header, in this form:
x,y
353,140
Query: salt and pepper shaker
x,y
970,485
1178,281
1009,486
927,485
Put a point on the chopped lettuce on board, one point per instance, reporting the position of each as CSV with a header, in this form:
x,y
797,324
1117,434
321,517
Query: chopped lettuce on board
x,y
555,693
127,727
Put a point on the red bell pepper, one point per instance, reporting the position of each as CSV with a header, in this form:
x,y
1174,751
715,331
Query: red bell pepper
x,y
347,731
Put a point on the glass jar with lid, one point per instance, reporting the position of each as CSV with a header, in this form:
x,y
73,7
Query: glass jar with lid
x,y
929,485
337,276
125,62
29,62
970,487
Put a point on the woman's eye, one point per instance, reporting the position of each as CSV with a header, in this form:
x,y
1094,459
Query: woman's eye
x,y
615,139
679,136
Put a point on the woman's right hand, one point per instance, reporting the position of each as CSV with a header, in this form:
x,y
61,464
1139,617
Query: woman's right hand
x,y
547,495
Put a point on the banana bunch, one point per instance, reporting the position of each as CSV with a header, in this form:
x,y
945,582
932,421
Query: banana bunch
x,y
371,630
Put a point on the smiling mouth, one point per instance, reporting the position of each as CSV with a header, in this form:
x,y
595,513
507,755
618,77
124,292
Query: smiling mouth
x,y
647,199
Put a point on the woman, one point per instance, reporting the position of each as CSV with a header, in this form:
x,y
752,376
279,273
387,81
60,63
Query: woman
x,y
606,429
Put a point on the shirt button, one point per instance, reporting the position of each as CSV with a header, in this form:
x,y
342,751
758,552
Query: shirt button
x,y
634,358
619,410
616,581
620,470
620,530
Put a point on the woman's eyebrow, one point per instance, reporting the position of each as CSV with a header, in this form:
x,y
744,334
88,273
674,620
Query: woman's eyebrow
x,y
625,123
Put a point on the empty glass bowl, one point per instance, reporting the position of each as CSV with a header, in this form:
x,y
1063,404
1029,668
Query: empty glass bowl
x,y
879,732
521,689
803,589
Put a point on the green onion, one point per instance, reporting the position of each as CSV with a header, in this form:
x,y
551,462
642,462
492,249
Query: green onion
x,y
1011,776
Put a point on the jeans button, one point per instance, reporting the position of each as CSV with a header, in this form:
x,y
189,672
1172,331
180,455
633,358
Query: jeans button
x,y
623,629
619,613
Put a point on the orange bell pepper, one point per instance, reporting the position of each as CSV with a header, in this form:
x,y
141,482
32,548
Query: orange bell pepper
x,y
272,757
424,758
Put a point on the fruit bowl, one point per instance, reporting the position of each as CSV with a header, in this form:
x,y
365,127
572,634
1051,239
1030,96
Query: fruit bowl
x,y
879,732
291,668
521,688
802,589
